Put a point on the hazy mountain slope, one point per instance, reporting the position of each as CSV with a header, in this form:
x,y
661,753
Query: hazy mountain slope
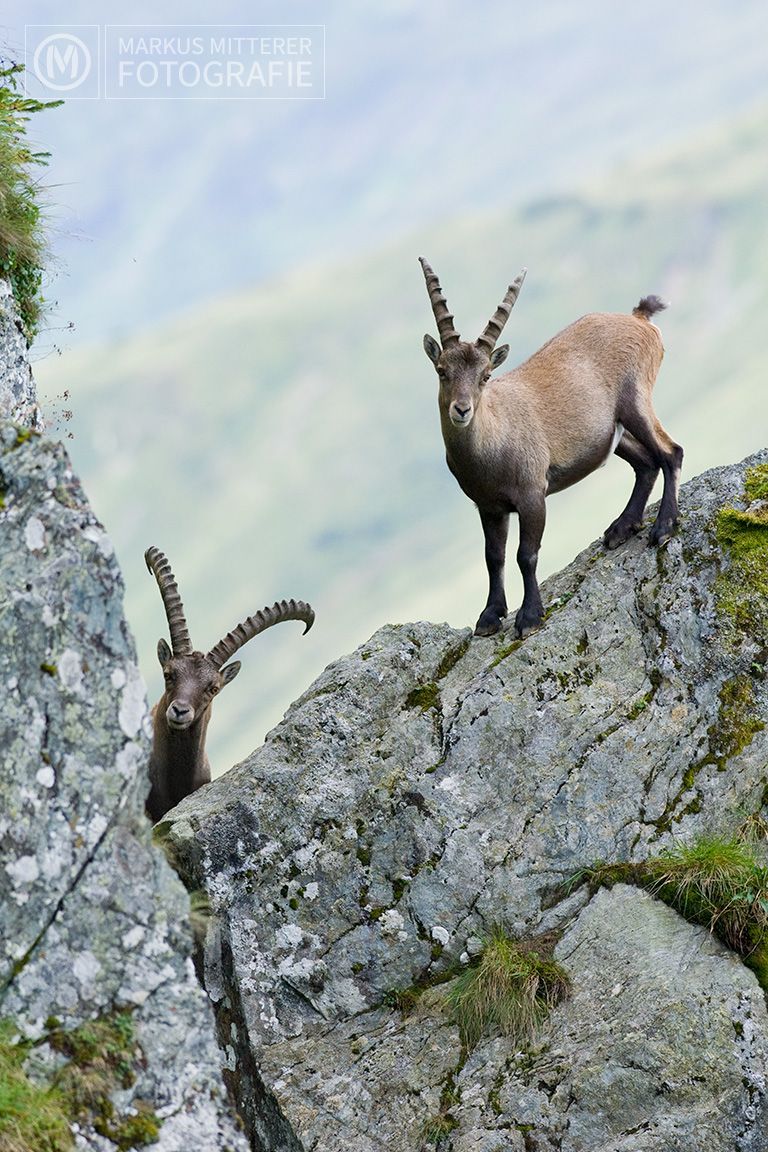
x,y
285,441
431,111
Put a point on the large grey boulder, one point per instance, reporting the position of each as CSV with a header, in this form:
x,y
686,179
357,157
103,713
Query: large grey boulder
x,y
432,785
92,918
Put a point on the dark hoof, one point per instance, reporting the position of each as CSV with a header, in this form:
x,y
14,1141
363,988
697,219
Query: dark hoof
x,y
618,533
489,622
528,620
662,533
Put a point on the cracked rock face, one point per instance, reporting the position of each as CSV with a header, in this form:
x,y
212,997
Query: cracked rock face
x,y
432,785
18,401
91,916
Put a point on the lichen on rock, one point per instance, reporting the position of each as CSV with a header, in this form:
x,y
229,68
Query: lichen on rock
x,y
18,401
92,919
409,801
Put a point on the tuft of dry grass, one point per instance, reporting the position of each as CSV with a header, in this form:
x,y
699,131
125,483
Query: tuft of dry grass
x,y
33,1118
509,991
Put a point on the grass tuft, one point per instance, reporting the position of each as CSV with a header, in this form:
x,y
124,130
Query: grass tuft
x,y
509,991
438,1128
22,245
719,882
100,1056
33,1118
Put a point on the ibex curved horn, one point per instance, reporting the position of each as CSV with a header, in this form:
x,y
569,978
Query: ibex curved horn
x,y
447,332
281,611
494,326
158,565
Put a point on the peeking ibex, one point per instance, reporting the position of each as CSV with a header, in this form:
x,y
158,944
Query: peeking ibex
x,y
512,441
178,764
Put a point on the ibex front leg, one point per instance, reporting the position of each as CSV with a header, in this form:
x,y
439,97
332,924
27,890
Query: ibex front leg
x,y
532,515
496,528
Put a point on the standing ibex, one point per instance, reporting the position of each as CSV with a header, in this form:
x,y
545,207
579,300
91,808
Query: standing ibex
x,y
178,764
512,441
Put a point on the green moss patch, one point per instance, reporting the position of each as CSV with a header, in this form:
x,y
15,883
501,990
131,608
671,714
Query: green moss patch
x,y
452,657
105,1045
756,483
736,723
734,729
437,1129
426,696
741,590
504,651
24,435
100,1057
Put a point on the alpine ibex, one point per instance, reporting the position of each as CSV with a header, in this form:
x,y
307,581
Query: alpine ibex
x,y
178,764
512,441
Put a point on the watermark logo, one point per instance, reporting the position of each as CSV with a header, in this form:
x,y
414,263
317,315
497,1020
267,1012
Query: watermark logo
x,y
179,62
63,61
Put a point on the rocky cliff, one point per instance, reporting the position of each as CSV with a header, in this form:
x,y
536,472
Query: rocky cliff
x,y
432,786
96,984
18,400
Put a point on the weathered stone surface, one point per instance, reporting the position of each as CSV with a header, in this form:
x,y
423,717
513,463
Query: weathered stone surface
x,y
431,785
663,1044
18,401
91,916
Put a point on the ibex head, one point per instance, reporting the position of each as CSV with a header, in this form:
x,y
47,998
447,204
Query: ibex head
x,y
192,679
464,367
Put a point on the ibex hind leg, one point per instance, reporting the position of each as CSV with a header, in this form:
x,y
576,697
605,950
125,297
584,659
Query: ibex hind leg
x,y
668,455
646,471
532,516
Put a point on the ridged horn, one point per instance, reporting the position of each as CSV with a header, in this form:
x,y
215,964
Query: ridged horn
x,y
281,611
447,332
158,565
495,325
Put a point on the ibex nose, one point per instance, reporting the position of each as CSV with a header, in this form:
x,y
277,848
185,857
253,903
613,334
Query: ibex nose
x,y
180,711
461,411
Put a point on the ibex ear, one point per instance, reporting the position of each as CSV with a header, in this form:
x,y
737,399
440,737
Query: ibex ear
x,y
227,674
499,355
163,653
432,348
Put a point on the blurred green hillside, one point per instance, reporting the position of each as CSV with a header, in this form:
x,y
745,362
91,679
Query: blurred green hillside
x,y
285,442
430,110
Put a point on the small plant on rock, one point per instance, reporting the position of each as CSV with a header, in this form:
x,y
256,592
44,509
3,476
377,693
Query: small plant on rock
x,y
721,883
22,245
510,990
33,1118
